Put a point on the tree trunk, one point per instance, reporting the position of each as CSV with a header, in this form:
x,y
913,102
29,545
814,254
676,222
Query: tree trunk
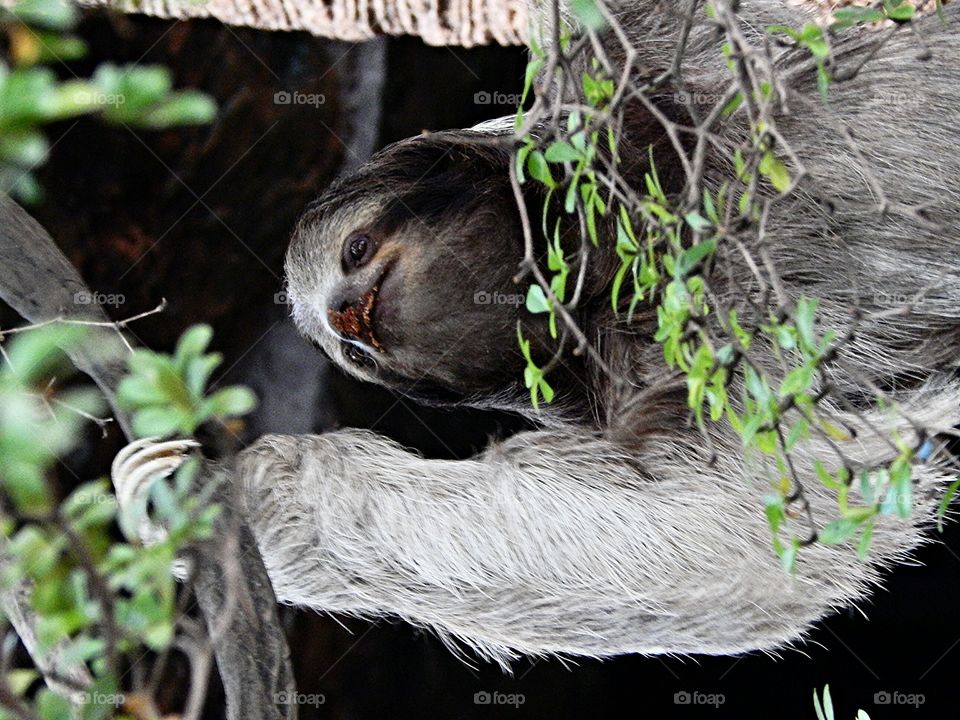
x,y
437,22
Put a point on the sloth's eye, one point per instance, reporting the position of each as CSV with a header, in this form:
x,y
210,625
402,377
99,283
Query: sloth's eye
x,y
358,250
357,356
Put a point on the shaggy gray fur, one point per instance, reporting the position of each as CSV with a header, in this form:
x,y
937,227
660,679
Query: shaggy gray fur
x,y
620,537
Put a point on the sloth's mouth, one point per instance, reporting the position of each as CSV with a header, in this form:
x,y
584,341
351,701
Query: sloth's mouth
x,y
356,321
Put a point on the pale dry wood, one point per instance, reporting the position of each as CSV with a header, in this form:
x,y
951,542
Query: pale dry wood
x,y
437,22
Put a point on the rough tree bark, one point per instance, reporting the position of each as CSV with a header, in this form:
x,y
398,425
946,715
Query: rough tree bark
x,y
437,22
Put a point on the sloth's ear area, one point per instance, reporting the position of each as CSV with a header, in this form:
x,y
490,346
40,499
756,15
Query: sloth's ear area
x,y
437,180
453,154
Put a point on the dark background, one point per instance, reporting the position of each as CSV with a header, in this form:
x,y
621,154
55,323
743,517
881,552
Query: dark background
x,y
201,216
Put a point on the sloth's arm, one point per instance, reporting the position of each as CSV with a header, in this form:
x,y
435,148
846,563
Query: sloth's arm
x,y
545,543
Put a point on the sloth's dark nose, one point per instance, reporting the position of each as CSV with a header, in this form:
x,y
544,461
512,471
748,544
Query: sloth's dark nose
x,y
355,319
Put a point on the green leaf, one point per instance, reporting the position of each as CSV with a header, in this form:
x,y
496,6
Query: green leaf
x,y
837,531
537,301
835,432
900,12
20,680
35,355
775,171
198,371
588,13
560,152
788,557
849,16
825,477
775,513
816,703
51,706
691,257
732,106
182,108
797,381
948,495
538,169
522,154
53,14
83,649
530,75
158,635
54,47
192,343
785,30
135,391
26,148
159,421
231,402
161,371
696,221
661,213
803,318
812,37
799,431
546,390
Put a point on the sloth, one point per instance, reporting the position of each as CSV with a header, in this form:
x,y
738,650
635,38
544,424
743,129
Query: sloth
x,y
611,526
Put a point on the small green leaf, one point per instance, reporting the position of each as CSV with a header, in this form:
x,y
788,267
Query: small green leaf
x,y
158,421
51,706
182,108
537,301
588,13
538,169
690,257
193,342
561,152
797,381
838,531
135,391
775,171
948,495
788,556
231,402
816,703
52,14
696,221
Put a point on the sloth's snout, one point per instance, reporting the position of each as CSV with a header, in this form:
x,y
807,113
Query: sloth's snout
x,y
355,320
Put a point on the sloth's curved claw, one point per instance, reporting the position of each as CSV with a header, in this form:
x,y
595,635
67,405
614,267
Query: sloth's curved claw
x,y
133,472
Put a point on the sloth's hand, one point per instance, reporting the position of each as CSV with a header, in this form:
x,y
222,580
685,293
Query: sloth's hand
x,y
134,470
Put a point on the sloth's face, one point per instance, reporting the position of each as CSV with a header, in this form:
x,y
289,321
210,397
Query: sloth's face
x,y
403,273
